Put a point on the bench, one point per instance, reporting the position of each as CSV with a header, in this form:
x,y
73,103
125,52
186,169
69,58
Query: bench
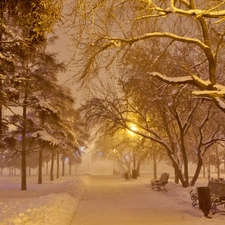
x,y
217,195
217,191
160,183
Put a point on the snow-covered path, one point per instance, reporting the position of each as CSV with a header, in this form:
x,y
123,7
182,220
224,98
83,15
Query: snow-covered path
x,y
114,201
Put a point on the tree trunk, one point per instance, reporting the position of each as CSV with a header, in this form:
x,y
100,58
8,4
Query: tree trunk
x,y
46,168
197,171
218,170
75,168
63,167
1,108
23,153
139,166
40,166
70,168
179,175
57,165
208,168
176,178
203,168
52,166
1,129
217,163
29,170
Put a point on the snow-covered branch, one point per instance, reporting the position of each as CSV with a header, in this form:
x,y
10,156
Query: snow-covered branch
x,y
220,103
206,89
43,135
178,80
191,11
115,41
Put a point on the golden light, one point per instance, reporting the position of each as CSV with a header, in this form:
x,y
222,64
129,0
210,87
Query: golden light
x,y
132,129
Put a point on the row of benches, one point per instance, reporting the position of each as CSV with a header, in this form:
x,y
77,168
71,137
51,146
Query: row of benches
x,y
216,196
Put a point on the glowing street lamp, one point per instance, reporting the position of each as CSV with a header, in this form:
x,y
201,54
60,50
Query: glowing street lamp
x,y
133,128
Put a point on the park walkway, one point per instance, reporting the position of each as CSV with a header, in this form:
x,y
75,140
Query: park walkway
x,y
110,200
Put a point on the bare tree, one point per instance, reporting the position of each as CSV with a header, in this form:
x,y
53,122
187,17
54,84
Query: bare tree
x,y
106,31
171,120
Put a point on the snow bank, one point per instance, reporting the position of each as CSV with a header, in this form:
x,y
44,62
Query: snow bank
x,y
46,204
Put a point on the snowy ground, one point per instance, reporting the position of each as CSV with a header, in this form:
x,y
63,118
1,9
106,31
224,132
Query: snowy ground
x,y
49,203
56,202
